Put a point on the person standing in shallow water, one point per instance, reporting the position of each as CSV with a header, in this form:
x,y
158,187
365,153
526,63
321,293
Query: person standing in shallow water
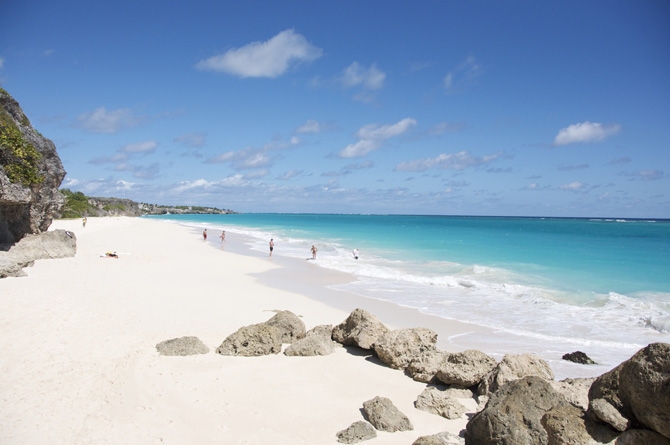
x,y
355,253
314,250
223,238
204,235
272,246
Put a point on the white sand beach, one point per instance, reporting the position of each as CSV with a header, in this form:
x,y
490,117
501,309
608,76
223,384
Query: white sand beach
x,y
79,361
78,345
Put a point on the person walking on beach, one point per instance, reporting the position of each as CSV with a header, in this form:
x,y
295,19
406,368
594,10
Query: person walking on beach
x,y
83,222
314,250
204,235
272,246
355,253
223,238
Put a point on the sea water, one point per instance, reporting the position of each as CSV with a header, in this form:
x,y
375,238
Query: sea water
x,y
552,284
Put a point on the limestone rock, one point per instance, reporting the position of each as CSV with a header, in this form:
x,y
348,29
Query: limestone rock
x,y
290,325
182,346
609,414
316,342
26,207
435,401
639,388
397,348
357,432
513,414
644,387
443,438
423,367
578,357
567,424
52,244
465,368
255,340
513,367
384,415
360,329
639,437
575,391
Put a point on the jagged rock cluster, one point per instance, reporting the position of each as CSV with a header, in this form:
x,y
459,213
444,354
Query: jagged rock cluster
x,y
518,401
30,174
55,244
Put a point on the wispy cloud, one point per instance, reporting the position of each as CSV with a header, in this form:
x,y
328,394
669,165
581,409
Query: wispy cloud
x,y
372,136
448,161
647,175
254,157
311,126
446,127
121,160
567,168
102,121
355,75
464,75
271,58
195,140
140,147
348,169
575,186
585,132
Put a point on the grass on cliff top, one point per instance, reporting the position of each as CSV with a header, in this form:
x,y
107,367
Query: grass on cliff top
x,y
18,157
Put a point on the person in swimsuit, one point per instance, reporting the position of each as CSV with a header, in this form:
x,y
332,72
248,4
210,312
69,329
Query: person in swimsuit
x,y
314,250
204,235
272,246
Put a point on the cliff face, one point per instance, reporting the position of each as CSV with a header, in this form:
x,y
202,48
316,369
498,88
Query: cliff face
x,y
30,174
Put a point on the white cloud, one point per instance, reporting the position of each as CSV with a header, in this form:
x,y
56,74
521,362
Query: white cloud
x,y
585,132
372,136
574,186
102,121
448,161
463,75
191,140
311,126
140,147
264,59
371,78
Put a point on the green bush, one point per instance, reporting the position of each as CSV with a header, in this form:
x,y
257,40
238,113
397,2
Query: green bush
x,y
18,156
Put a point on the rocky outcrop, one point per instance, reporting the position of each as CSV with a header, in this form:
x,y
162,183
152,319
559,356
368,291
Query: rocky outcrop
x,y
638,390
291,326
442,403
514,367
423,367
357,432
568,424
513,414
397,348
578,357
384,415
465,368
575,391
182,346
251,341
54,244
360,329
30,174
316,342
443,438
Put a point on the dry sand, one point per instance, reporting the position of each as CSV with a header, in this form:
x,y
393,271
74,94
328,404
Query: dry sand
x,y
79,363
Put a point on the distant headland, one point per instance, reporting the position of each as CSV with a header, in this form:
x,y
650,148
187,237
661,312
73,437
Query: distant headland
x,y
78,205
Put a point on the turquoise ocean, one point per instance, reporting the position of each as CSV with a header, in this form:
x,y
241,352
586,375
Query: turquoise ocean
x,y
598,285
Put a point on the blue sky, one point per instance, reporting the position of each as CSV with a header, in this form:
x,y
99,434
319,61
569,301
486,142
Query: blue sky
x,y
431,107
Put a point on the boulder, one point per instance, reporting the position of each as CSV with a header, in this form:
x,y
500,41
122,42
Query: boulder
x,y
513,367
639,389
52,244
443,438
567,424
290,325
316,342
360,329
397,348
579,357
609,414
357,432
255,340
465,368
644,387
423,367
384,416
435,401
30,175
639,437
575,391
182,346
513,414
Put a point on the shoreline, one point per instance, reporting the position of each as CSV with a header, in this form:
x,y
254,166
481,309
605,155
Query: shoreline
x,y
78,337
